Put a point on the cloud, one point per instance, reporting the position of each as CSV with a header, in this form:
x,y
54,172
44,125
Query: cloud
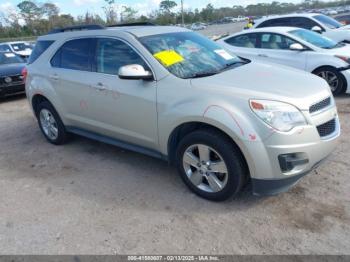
x,y
85,2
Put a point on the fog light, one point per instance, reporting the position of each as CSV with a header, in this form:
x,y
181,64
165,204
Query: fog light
x,y
290,161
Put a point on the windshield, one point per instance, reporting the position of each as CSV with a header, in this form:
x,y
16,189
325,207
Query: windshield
x,y
20,47
9,58
189,55
315,39
328,21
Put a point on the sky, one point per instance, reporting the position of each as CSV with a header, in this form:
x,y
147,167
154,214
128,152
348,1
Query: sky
x,y
79,7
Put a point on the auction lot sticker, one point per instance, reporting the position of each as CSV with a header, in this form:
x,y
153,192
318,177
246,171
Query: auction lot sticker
x,y
223,54
168,57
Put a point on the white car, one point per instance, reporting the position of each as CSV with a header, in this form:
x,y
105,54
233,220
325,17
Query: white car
x,y
319,23
198,26
23,49
298,48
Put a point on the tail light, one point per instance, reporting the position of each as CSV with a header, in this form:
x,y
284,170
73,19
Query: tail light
x,y
24,73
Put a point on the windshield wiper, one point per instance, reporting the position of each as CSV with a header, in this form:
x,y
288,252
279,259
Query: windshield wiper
x,y
203,74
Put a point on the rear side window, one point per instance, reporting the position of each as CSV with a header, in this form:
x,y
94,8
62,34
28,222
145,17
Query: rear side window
x,y
246,40
303,22
40,47
74,54
111,54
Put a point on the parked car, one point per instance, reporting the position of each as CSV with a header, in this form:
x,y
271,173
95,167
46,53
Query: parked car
x,y
11,79
319,23
171,93
343,19
298,48
23,49
198,26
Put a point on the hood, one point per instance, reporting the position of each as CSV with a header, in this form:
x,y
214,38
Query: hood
x,y
268,81
11,69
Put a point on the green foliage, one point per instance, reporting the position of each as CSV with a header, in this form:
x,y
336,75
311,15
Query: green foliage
x,y
42,17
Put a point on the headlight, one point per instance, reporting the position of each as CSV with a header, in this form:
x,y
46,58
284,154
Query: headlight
x,y
344,58
279,115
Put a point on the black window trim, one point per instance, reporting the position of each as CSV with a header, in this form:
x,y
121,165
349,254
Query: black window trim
x,y
93,52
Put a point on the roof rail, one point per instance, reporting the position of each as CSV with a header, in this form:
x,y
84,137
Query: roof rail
x,y
133,24
76,28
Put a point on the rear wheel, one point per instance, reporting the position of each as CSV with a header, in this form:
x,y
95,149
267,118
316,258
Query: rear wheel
x,y
335,79
51,124
211,165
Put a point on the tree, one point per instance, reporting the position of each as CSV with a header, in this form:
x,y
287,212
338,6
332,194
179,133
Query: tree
x,y
50,10
128,14
167,5
207,12
110,12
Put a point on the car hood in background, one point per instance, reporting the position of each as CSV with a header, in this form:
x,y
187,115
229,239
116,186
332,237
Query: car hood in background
x,y
11,69
26,52
268,81
341,51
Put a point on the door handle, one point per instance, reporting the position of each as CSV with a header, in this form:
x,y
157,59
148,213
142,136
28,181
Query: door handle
x,y
263,55
54,77
99,86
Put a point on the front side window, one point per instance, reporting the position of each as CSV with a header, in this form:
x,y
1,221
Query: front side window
x,y
189,55
111,54
74,54
315,39
275,41
246,40
303,22
328,21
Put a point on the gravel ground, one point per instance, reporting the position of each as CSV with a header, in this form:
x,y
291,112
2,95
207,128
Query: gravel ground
x,y
90,198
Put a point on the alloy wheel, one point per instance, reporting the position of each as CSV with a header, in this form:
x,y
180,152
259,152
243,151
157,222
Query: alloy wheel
x,y
48,124
331,78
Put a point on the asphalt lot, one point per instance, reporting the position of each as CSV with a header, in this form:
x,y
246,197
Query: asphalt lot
x,y
90,198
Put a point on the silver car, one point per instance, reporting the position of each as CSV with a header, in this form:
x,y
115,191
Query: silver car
x,y
170,93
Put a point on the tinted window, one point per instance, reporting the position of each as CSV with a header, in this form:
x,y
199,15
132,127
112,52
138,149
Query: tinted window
x,y
303,22
316,39
111,54
275,41
39,48
246,40
74,54
275,22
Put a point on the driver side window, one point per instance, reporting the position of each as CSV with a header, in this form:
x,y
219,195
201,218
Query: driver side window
x,y
111,54
276,41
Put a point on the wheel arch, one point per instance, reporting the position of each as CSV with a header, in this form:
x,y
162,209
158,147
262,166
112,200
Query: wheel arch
x,y
345,87
185,128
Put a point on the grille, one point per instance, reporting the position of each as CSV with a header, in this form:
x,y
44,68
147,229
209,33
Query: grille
x,y
320,105
326,128
17,79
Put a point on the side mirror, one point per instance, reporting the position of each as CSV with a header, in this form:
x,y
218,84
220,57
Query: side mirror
x,y
296,47
135,72
317,29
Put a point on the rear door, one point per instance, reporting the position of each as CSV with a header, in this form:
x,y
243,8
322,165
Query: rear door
x,y
71,76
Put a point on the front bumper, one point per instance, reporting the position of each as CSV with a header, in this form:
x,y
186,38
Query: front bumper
x,y
12,89
269,176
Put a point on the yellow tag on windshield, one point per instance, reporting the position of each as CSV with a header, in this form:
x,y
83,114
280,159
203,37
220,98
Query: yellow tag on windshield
x,y
168,57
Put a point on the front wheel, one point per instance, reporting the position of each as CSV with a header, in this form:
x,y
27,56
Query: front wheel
x,y
211,165
335,79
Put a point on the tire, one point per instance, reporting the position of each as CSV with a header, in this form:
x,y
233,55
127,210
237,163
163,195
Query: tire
x,y
44,110
334,78
203,176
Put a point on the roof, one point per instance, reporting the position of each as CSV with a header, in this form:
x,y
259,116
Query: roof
x,y
138,31
13,42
